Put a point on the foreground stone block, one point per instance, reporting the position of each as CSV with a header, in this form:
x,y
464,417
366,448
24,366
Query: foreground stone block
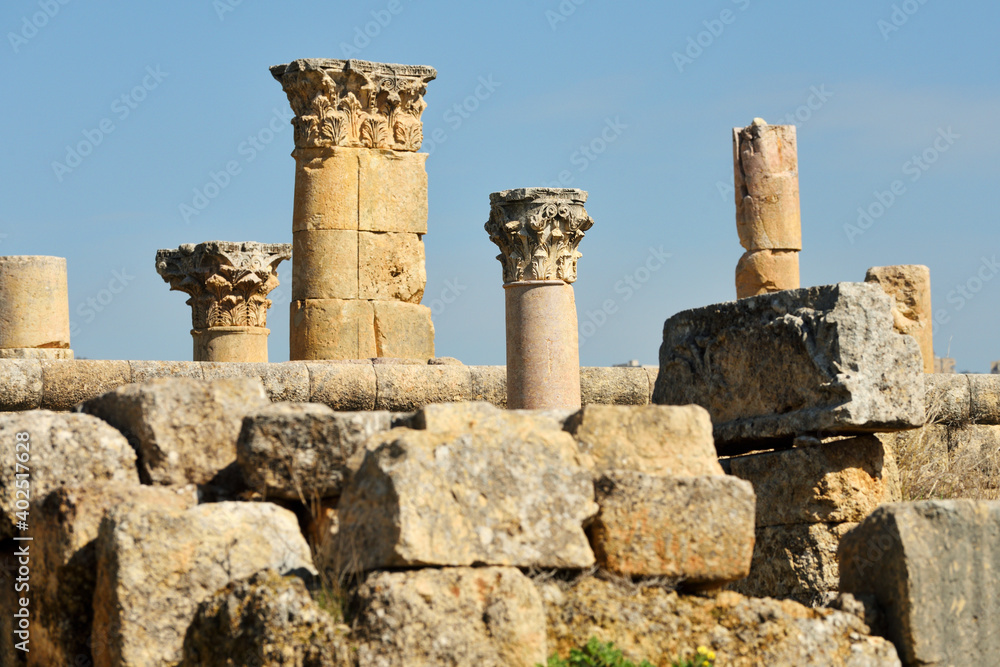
x,y
299,451
155,566
820,359
266,619
403,330
654,439
65,527
934,568
62,449
513,496
69,383
489,617
699,530
391,267
658,624
184,430
832,482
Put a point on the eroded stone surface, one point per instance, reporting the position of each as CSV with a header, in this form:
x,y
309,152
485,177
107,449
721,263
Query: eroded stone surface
x,y
910,287
403,330
391,267
34,302
20,384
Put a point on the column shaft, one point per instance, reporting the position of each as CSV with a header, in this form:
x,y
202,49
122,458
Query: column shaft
x,y
34,308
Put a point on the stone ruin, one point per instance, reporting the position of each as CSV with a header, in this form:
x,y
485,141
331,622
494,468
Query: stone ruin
x,y
369,504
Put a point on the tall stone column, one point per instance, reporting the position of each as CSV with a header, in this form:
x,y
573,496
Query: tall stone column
x,y
228,283
34,308
910,287
360,209
538,231
766,174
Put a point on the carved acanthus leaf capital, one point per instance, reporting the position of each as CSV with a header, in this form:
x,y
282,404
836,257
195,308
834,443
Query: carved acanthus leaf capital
x,y
355,103
538,231
228,282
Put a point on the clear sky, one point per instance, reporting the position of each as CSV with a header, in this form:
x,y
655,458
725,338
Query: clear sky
x,y
634,101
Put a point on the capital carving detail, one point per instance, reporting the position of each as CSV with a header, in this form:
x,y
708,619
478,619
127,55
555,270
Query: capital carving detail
x,y
355,103
538,231
228,282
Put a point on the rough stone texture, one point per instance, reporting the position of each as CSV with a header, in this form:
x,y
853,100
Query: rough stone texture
x,y
985,399
34,302
392,191
65,527
266,619
403,330
184,430
948,397
326,189
652,623
391,267
326,264
766,174
231,344
489,383
797,562
488,617
343,386
459,418
614,386
698,530
910,287
833,482
36,353
20,384
286,381
69,383
514,495
63,449
299,451
651,373
143,371
654,439
332,329
766,271
404,387
819,359
934,568
148,590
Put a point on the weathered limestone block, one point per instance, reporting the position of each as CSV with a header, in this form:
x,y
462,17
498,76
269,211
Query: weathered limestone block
x,y
819,359
766,171
326,264
184,430
489,617
796,562
332,329
654,439
326,189
143,371
516,495
391,267
614,386
658,624
34,302
934,568
948,397
155,567
69,383
403,387
286,381
62,449
65,527
468,417
266,619
403,330
985,395
699,530
343,386
910,287
489,383
20,384
392,191
766,271
299,451
833,482
36,353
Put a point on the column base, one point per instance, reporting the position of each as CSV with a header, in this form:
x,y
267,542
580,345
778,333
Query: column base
x,y
248,344
36,353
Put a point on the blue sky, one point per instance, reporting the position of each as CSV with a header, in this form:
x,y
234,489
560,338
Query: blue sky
x,y
886,95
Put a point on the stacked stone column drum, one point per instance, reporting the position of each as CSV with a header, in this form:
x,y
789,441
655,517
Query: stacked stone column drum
x,y
360,210
538,231
910,287
228,283
34,308
766,175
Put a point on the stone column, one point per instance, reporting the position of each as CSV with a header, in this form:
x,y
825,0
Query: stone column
x,y
360,209
538,231
228,283
766,174
34,308
910,286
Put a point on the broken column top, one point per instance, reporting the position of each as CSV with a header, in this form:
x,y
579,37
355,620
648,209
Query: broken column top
x,y
538,231
355,103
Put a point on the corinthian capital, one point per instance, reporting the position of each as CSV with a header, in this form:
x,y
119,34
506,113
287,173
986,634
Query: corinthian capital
x,y
538,231
355,103
228,282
